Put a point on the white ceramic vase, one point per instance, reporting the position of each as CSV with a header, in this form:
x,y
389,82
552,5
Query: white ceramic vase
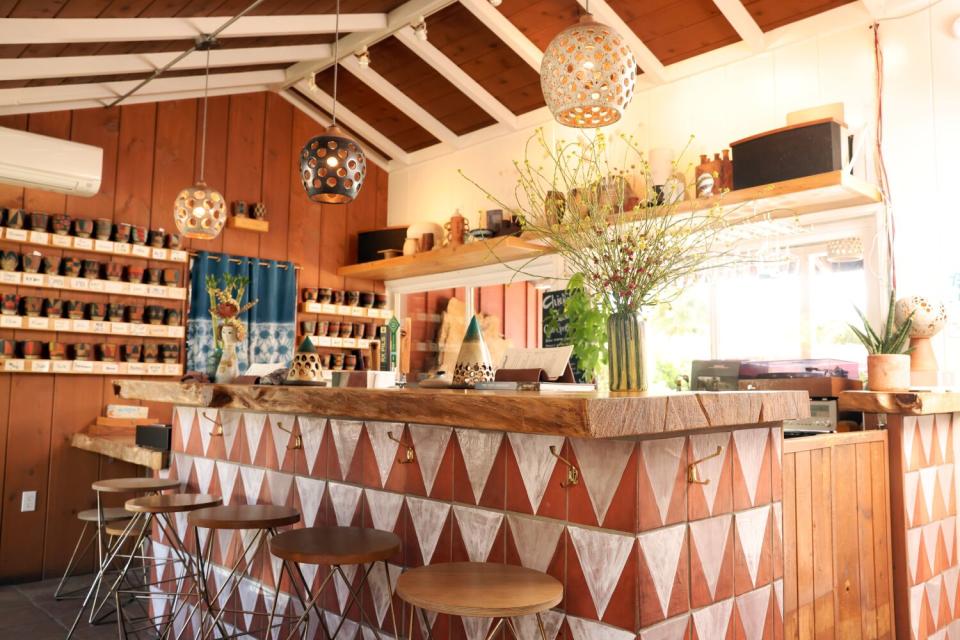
x,y
228,369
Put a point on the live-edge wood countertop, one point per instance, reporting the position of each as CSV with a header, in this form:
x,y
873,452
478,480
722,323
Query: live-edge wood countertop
x,y
585,415
908,403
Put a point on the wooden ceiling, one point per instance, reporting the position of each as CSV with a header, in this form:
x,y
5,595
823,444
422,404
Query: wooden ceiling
x,y
476,72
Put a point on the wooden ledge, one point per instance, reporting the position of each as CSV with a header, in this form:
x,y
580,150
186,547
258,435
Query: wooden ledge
x,y
584,415
120,447
908,403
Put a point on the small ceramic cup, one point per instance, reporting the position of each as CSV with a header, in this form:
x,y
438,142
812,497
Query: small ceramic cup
x,y
154,275
258,211
96,311
32,349
336,297
51,265
108,352
53,308
135,313
57,351
75,309
322,326
82,351
238,208
31,262
310,295
10,304
151,352
333,328
138,235
103,227
346,329
170,353
349,362
324,360
121,232
172,318
380,300
15,218
39,221
154,314
91,269
308,327
323,295
353,298
83,228
9,260
115,312
134,273
157,236
72,267
132,352
8,349
367,298
173,241
32,306
171,277
114,271
61,224
359,330
337,361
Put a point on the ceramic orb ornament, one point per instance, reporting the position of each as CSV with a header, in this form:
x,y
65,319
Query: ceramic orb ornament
x,y
929,318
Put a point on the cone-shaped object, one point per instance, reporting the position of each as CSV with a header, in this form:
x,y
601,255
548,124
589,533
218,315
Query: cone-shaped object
x,y
473,363
306,364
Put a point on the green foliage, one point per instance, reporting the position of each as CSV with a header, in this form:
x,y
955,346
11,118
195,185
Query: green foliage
x,y
587,324
893,340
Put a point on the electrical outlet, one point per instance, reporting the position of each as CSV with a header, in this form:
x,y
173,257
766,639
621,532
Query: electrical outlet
x,y
28,501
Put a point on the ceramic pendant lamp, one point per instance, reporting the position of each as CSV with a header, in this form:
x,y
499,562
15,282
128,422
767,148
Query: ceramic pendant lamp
x,y
473,363
588,75
199,211
332,165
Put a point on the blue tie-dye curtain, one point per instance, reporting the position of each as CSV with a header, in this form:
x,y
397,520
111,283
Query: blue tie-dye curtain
x,y
271,324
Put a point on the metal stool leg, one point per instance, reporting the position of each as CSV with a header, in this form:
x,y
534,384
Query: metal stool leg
x,y
58,593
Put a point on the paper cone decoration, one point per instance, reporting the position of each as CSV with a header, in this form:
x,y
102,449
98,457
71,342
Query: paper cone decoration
x,y
306,364
473,364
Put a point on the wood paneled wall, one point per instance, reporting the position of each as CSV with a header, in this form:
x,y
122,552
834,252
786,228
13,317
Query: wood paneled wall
x,y
836,537
151,151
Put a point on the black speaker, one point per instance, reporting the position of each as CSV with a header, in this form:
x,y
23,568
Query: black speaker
x,y
792,152
154,436
371,243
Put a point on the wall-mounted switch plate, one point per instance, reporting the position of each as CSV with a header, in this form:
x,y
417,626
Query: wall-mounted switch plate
x,y
28,501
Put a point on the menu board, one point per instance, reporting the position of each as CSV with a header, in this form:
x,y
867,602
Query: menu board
x,y
552,305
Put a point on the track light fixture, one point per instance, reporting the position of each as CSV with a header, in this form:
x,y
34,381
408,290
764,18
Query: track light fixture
x,y
363,58
420,28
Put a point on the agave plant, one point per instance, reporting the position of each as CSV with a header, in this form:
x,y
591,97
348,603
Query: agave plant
x,y
894,337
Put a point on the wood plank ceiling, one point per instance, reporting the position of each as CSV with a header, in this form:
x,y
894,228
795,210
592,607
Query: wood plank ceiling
x,y
477,69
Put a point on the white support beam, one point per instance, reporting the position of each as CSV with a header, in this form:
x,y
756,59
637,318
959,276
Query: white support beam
x,y
651,65
491,17
875,8
742,22
352,120
457,76
73,66
66,30
400,100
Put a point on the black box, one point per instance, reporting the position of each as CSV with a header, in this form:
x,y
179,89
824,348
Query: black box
x,y
371,243
791,152
154,436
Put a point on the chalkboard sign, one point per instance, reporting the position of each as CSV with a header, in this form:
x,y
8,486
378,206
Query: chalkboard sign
x,y
552,305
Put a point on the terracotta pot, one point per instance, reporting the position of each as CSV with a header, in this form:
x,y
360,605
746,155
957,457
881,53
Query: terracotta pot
x,y
346,329
308,327
72,267
380,301
115,312
325,360
32,349
96,311
11,304
57,350
39,221
32,262
310,295
173,241
91,269
61,224
154,314
83,228
353,298
322,326
367,298
170,352
121,232
151,352
8,349
53,308
350,362
336,361
157,236
82,351
114,271
134,273
154,275
323,295
32,306
336,297
359,330
9,260
103,227
171,277
135,313
333,329
75,309
888,372
138,235
131,352
172,318
108,352
51,265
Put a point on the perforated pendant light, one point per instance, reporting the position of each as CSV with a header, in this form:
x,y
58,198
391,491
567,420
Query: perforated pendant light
x,y
588,75
332,166
199,211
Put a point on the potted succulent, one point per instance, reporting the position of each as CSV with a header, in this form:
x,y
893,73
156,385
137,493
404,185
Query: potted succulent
x,y
888,358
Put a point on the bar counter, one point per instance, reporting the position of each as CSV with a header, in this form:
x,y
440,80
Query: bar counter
x,y
660,514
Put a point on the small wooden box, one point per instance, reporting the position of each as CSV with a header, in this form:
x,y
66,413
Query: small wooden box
x,y
795,151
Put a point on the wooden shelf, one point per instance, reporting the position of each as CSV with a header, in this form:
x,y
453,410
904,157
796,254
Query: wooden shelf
x,y
248,224
120,447
89,245
92,285
467,256
341,343
322,309
66,325
90,367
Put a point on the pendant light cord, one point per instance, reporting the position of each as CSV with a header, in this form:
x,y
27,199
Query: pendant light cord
x,y
336,62
203,137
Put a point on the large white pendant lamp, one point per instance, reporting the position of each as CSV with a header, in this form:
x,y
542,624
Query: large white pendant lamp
x,y
199,211
588,75
332,165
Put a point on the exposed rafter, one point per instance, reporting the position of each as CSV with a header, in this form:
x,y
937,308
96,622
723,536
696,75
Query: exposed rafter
x,y
653,69
744,24
73,66
66,30
498,23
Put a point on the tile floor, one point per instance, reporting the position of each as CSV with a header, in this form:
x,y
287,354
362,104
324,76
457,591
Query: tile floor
x,y
28,611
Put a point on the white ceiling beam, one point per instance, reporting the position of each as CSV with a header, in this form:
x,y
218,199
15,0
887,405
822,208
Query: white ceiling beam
x,y
743,23
874,7
354,122
66,30
651,65
400,100
491,17
457,76
32,68
110,90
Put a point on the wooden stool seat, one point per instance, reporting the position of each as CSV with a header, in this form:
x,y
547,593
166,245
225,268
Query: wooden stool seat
x,y
335,545
479,589
172,503
134,485
119,528
110,514
244,516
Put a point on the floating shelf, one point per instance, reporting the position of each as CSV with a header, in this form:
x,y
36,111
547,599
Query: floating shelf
x,y
248,224
89,245
92,285
66,325
324,309
120,447
341,343
467,256
90,367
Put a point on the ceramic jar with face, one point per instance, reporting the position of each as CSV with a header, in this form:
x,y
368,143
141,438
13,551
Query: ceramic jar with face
x,y
172,317
151,352
83,228
72,267
91,269
132,352
154,314
32,349
31,262
121,232
32,306
114,271
11,304
157,236
170,353
103,227
61,224
82,351
9,260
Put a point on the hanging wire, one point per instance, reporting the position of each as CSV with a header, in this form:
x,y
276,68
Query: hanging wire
x,y
336,63
203,139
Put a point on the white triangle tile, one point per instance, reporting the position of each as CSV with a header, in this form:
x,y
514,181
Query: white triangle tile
x,y
253,425
535,539
430,443
528,628
943,433
752,531
602,557
342,588
945,479
207,423
184,464
672,629
602,463
661,459
916,604
479,453
349,629
933,588
249,594
751,445
710,538
251,545
368,634
311,432
164,474
953,629
381,591
911,484
949,528
950,577
276,565
938,635
230,422
753,608
227,474
778,594
661,550
478,528
283,601
309,572
252,478
384,508
281,438
428,517
582,629
711,468
931,534
928,481
926,435
310,491
909,437
158,603
224,538
344,498
346,433
204,467
913,551
536,463
384,449
712,623
476,628
279,484
185,418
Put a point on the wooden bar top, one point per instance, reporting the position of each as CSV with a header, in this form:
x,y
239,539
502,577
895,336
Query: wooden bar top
x,y
119,447
585,415
908,403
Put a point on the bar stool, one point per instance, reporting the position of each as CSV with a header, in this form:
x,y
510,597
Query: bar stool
x,y
265,519
479,589
334,547
91,519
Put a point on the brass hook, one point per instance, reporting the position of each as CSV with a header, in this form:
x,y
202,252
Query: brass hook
x,y
217,425
410,456
693,473
573,474
297,438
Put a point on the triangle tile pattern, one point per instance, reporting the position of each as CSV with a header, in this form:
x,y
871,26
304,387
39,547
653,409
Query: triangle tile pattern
x,y
602,556
479,453
673,629
602,463
344,498
925,425
752,531
928,481
281,437
252,478
384,508
227,473
661,551
350,628
280,484
311,433
310,492
384,449
943,434
751,445
536,463
536,540
185,417
478,528
184,465
230,421
661,459
341,588
430,444
204,468
713,621
909,436
207,420
381,590
753,609
552,622
476,628
710,469
582,629
916,606
253,425
428,517
710,537
911,485
346,433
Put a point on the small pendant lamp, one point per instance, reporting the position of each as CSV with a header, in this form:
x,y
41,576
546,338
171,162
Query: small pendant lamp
x,y
332,166
588,75
199,211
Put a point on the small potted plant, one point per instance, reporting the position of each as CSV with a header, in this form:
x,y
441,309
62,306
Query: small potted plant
x,y
888,359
